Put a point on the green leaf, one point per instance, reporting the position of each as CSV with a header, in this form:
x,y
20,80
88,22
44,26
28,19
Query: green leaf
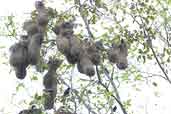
x,y
138,77
127,103
98,3
93,19
21,85
169,2
125,77
34,78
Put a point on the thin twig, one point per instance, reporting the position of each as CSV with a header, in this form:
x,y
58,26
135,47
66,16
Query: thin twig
x,y
159,64
152,75
113,85
146,35
99,78
154,54
117,100
79,98
85,20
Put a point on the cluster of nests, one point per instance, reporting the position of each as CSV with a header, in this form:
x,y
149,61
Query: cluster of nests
x,y
27,50
83,53
86,53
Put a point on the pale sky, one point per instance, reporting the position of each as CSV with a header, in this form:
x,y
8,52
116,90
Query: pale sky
x,y
144,101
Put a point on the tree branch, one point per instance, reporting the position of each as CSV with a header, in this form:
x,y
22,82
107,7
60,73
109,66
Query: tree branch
x,y
113,85
117,100
155,56
159,64
85,19
98,75
146,35
79,98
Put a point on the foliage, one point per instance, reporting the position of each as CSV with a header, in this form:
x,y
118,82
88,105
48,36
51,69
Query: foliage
x,y
135,21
